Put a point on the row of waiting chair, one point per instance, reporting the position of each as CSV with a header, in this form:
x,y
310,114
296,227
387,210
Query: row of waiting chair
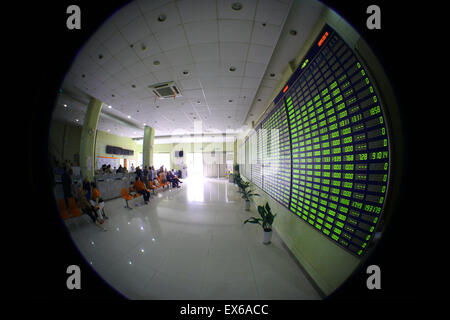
x,y
128,197
75,211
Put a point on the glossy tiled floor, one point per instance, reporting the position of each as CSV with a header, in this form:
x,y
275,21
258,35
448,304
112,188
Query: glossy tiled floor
x,y
189,243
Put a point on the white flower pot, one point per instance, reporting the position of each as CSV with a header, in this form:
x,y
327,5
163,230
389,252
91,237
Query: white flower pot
x,y
247,205
267,237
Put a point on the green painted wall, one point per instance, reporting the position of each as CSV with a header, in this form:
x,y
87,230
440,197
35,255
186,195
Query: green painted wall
x,y
105,138
326,263
64,142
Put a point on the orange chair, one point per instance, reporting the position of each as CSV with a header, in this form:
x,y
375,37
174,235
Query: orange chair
x,y
127,197
156,186
152,187
63,209
161,183
136,195
73,208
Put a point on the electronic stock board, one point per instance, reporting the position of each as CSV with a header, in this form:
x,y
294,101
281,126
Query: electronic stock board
x,y
323,150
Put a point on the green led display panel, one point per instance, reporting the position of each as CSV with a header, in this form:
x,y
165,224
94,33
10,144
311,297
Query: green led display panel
x,y
247,165
340,147
276,154
256,148
323,150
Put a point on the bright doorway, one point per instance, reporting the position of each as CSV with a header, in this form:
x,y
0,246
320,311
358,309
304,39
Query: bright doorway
x,y
195,164
161,159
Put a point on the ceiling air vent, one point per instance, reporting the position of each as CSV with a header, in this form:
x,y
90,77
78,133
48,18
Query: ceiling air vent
x,y
166,90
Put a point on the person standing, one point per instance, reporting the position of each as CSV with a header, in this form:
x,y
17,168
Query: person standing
x,y
145,176
66,180
87,188
139,173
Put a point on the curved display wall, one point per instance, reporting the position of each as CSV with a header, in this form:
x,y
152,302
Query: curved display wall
x,y
322,151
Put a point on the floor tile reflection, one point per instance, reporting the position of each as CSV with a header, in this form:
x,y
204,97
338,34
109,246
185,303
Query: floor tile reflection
x,y
188,243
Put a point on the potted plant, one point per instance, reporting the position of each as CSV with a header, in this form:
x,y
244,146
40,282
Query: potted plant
x,y
243,185
247,194
234,173
265,221
237,178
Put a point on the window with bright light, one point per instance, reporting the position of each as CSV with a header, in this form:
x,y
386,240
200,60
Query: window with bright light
x,y
161,159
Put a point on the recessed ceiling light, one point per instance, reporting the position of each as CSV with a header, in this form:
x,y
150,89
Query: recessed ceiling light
x,y
128,117
145,124
185,72
293,32
156,62
162,17
109,107
272,75
133,86
236,6
77,120
232,69
65,105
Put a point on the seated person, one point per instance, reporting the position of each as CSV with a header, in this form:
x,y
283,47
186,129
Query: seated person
x,y
86,207
177,177
174,180
97,203
163,177
139,186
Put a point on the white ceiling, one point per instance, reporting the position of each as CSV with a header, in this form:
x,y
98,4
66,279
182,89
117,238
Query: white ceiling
x,y
203,37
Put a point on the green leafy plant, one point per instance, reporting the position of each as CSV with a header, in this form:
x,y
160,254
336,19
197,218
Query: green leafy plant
x,y
266,219
237,178
243,185
247,193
